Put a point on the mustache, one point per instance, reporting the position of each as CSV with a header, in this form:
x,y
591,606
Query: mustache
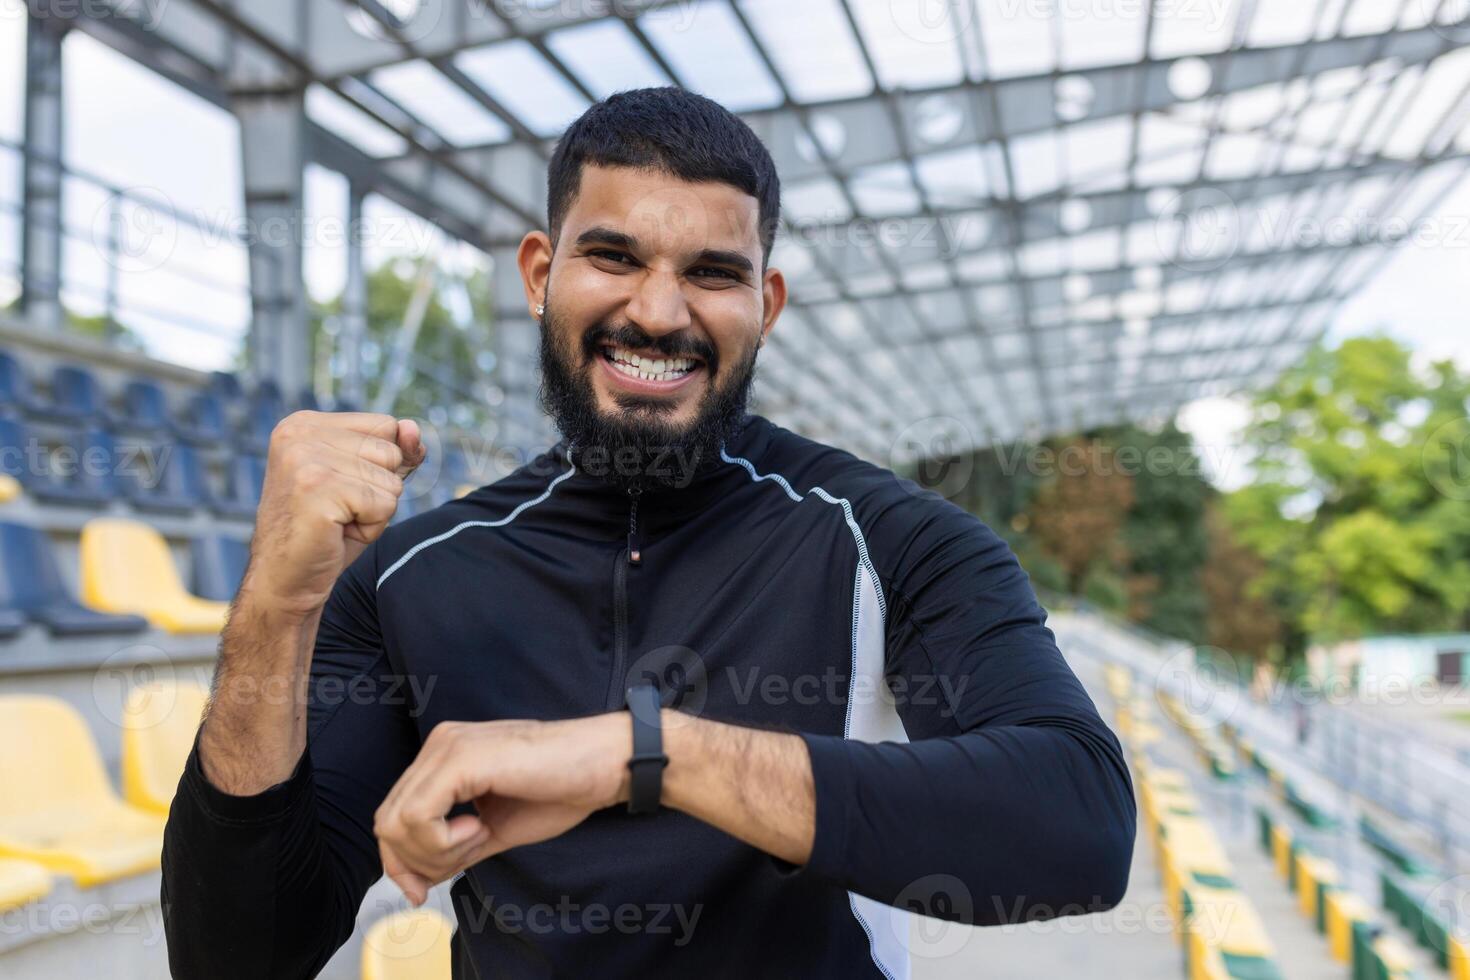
x,y
678,344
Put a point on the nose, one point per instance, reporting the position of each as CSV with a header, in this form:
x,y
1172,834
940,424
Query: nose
x,y
658,304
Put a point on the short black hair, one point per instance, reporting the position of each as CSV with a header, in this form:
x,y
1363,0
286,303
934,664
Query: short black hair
x,y
670,130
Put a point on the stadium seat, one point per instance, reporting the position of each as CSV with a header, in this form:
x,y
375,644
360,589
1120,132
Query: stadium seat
x,y
219,565
307,401
22,882
410,945
159,722
179,486
244,478
204,421
17,395
76,398
90,474
226,385
145,409
266,408
58,808
9,488
31,584
127,568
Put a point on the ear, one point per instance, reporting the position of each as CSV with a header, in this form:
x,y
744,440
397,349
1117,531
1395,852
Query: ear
x,y
773,293
533,258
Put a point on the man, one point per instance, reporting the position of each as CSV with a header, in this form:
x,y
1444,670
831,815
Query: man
x,y
864,714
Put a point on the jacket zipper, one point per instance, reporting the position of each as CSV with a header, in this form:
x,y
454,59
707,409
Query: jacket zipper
x,y
631,555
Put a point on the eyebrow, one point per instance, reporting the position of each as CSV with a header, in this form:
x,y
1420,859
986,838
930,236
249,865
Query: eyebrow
x,y
599,235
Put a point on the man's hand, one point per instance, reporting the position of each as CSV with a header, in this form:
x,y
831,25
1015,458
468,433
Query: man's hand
x,y
332,483
531,781
528,780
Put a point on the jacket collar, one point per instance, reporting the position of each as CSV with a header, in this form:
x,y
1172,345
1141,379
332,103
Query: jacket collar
x,y
658,508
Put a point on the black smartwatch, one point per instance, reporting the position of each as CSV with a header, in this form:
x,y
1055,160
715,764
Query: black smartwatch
x,y
648,760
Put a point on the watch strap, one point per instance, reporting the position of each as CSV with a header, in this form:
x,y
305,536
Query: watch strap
x,y
646,766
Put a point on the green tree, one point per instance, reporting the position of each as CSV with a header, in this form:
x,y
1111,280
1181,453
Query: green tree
x,y
452,357
1358,529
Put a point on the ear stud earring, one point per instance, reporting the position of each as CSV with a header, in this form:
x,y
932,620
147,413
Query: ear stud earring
x,y
540,308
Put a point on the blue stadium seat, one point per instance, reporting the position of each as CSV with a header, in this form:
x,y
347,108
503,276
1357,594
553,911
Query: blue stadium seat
x,y
76,397
307,401
244,478
16,392
92,477
345,405
204,421
145,409
226,385
180,485
14,435
31,585
219,565
266,408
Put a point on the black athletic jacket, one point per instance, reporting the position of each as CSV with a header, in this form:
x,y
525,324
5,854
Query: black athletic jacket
x,y
961,770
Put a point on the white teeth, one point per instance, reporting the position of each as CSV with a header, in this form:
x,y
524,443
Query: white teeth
x,y
651,369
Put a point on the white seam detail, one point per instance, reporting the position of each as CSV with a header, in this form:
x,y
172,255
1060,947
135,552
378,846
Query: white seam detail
x,y
864,563
461,526
843,502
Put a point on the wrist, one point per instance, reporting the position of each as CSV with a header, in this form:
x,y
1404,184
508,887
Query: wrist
x,y
275,611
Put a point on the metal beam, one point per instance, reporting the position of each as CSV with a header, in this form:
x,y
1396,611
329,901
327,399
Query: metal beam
x,y
41,172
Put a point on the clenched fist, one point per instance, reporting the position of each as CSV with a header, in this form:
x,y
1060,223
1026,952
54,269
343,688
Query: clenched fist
x,y
332,483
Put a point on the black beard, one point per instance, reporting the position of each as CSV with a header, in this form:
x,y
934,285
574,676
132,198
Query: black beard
x,y
635,448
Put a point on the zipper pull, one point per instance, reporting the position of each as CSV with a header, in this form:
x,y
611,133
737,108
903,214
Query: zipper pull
x,y
635,554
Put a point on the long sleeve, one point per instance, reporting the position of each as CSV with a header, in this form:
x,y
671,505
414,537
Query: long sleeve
x,y
1011,782
269,885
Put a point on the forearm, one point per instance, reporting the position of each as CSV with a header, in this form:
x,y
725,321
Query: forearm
x,y
254,730
754,785
1035,820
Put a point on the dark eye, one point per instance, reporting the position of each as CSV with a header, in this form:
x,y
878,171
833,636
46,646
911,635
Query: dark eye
x,y
603,253
709,270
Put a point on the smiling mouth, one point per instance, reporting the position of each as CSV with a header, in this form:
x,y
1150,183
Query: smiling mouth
x,y
645,368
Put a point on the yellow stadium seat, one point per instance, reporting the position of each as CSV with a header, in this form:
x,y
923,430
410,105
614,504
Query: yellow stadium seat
x,y
9,488
21,882
412,945
463,489
58,808
159,722
1343,909
127,568
1459,958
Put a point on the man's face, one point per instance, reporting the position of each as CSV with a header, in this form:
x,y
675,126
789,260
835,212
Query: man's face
x,y
655,306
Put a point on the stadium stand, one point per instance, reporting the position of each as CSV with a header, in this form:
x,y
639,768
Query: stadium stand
x,y
22,882
127,568
31,585
219,564
409,945
59,809
159,723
